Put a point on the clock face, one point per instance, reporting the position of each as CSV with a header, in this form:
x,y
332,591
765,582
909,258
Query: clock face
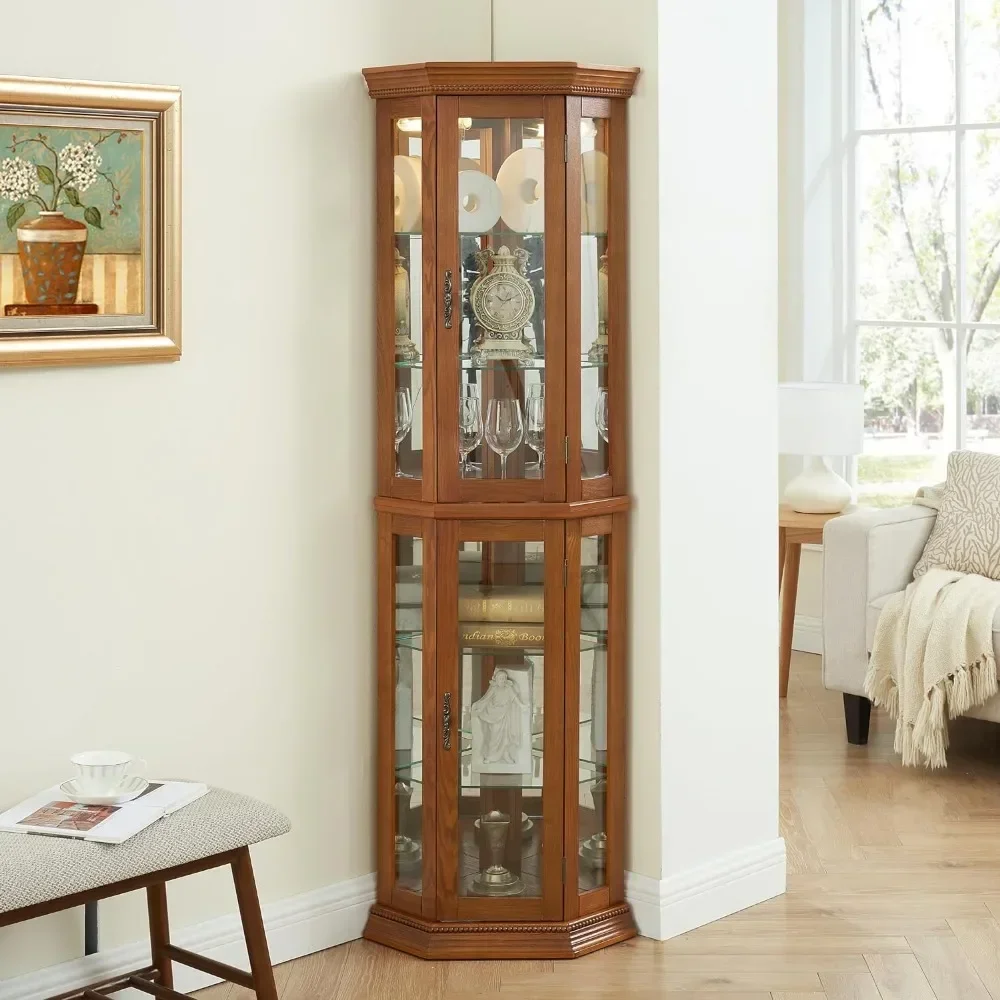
x,y
503,302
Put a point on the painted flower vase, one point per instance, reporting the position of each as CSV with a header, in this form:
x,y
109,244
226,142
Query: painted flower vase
x,y
51,251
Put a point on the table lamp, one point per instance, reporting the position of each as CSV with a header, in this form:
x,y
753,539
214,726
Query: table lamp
x,y
818,420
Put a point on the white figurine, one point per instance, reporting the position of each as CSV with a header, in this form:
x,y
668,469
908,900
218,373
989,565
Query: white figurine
x,y
501,737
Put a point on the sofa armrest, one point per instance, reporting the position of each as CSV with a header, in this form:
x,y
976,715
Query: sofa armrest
x,y
866,554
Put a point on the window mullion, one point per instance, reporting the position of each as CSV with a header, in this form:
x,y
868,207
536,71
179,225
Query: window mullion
x,y
848,65
960,227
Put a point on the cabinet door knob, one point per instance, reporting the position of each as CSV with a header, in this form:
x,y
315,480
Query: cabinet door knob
x,y
446,720
449,299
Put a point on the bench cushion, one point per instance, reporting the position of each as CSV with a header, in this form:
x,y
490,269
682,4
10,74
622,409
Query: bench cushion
x,y
37,869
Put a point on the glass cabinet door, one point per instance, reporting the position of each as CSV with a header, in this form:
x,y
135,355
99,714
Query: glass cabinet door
x,y
501,180
594,713
406,186
406,689
500,679
596,316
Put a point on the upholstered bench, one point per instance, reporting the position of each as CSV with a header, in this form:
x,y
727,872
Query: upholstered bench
x,y
40,875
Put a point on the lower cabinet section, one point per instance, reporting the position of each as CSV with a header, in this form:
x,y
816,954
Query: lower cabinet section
x,y
501,700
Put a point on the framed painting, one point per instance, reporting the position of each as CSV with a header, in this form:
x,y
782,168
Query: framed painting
x,y
89,222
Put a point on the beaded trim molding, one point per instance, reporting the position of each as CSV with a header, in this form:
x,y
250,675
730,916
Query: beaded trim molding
x,y
477,928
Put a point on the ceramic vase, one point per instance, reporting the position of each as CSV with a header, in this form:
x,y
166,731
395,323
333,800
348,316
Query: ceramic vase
x,y
51,251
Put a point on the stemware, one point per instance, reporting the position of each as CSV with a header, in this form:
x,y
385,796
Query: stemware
x,y
470,424
404,419
601,414
504,429
534,423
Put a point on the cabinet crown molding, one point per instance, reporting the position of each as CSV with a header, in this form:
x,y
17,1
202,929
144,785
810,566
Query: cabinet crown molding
x,y
459,78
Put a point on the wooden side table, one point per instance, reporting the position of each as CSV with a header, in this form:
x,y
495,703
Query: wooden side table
x,y
794,531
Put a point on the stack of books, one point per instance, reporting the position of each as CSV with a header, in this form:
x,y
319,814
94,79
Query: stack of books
x,y
501,616
504,616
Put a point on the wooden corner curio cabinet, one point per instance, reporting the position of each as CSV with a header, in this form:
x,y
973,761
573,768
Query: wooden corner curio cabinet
x,y
502,508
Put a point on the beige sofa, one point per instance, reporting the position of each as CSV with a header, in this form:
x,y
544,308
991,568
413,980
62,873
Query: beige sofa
x,y
868,555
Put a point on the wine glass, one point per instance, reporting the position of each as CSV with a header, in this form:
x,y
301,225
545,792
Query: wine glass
x,y
534,424
470,424
601,414
504,429
404,419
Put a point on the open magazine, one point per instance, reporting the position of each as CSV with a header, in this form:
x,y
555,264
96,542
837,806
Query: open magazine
x,y
50,813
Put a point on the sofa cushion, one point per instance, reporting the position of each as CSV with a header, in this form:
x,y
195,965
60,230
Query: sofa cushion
x,y
966,535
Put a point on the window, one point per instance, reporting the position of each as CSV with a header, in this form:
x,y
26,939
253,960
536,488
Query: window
x,y
923,239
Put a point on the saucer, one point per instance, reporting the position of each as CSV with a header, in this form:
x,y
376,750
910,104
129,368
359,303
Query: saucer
x,y
130,789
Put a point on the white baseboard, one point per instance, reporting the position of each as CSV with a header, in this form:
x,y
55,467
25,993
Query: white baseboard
x,y
295,927
807,636
336,914
671,906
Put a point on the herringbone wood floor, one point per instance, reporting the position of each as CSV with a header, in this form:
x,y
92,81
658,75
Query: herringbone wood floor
x,y
893,893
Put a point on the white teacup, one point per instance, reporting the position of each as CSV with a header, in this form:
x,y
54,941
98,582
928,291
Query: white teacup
x,y
101,772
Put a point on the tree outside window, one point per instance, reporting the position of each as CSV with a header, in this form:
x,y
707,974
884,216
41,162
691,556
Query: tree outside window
x,y
926,236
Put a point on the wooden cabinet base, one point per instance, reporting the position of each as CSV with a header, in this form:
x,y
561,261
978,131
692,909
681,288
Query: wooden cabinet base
x,y
434,940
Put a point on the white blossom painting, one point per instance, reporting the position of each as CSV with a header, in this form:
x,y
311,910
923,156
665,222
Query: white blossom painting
x,y
74,223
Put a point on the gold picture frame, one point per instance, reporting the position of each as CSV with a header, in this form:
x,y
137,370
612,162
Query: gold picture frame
x,y
90,222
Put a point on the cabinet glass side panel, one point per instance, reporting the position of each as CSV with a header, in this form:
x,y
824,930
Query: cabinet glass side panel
x,y
501,625
596,335
408,710
407,288
592,802
500,298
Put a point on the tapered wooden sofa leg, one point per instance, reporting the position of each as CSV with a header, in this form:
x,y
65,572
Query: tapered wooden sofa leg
x,y
159,932
857,715
253,927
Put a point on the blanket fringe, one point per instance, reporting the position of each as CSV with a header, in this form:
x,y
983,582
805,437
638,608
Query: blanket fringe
x,y
880,689
925,742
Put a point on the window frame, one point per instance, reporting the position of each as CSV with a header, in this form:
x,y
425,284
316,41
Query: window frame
x,y
854,323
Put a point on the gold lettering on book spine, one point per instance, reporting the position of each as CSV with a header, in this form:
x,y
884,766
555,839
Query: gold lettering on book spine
x,y
488,634
519,607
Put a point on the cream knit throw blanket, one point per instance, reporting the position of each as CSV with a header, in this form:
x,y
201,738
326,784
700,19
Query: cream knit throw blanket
x,y
933,659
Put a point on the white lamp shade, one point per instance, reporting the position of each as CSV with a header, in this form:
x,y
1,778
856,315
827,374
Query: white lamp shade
x,y
820,418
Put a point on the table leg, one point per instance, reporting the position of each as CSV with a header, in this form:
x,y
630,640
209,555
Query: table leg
x,y
789,586
781,556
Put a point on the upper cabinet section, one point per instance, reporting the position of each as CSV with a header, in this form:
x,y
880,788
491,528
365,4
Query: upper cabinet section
x,y
501,281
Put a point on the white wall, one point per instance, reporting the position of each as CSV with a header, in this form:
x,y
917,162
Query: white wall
x,y
718,468
186,558
196,540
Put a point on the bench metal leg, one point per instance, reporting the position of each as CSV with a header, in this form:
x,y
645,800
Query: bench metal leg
x,y
159,932
90,928
253,927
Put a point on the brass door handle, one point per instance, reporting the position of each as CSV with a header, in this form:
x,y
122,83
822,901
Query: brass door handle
x,y
446,720
449,299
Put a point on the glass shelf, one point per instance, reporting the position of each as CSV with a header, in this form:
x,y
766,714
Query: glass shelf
x,y
409,640
536,364
502,233
413,773
589,640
